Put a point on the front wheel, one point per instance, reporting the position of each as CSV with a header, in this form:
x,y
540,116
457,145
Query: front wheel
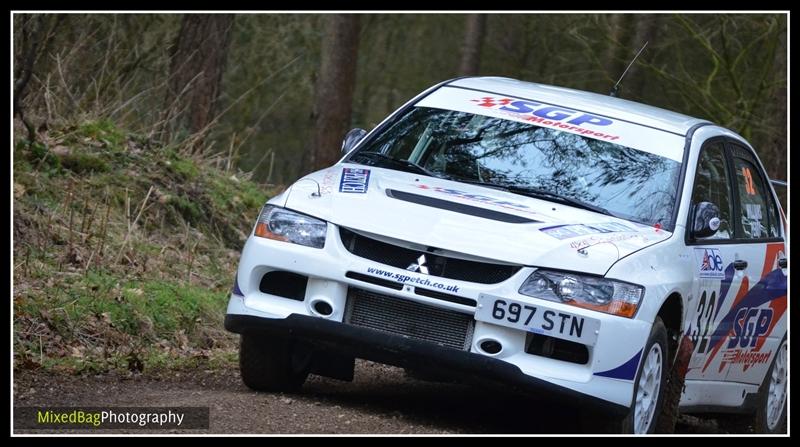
x,y
649,385
270,363
648,396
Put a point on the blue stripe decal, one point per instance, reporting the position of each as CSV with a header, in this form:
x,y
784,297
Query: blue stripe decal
x,y
236,290
625,371
725,287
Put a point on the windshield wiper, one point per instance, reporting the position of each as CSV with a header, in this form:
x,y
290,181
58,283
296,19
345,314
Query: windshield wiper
x,y
537,193
475,182
408,166
541,193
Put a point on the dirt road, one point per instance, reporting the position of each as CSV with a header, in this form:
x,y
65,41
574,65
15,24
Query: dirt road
x,y
381,400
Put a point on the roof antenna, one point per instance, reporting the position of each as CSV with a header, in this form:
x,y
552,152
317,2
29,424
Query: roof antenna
x,y
615,89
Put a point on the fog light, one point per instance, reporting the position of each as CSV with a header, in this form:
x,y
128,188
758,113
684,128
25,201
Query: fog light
x,y
491,346
323,308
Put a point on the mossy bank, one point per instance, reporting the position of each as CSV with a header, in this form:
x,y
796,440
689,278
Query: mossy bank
x,y
124,251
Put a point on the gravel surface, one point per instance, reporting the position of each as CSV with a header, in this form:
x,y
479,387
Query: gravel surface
x,y
381,400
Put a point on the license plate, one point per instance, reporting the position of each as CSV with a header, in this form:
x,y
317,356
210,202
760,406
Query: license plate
x,y
537,319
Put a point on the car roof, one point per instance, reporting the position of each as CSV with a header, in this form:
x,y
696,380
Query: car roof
x,y
609,106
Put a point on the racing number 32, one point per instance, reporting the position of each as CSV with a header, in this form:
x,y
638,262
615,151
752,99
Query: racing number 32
x,y
706,312
513,310
748,182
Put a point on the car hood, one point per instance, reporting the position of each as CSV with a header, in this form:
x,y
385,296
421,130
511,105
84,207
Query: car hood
x,y
472,220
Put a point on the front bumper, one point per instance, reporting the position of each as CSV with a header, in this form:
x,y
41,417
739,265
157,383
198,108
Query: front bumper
x,y
409,353
608,374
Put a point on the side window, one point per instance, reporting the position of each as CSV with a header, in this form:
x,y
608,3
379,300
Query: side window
x,y
757,214
774,220
711,184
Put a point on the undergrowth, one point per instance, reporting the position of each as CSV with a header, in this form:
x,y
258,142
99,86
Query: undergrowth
x,y
124,252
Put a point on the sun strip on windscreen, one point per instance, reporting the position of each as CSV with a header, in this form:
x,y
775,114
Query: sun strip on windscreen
x,y
598,127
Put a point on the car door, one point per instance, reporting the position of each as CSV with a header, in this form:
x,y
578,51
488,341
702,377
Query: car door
x,y
758,317
716,281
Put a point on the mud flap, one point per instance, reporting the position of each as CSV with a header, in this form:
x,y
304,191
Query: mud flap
x,y
674,387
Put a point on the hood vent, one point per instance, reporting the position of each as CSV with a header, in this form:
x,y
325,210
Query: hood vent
x,y
458,207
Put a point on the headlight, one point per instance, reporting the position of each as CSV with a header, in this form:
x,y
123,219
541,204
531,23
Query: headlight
x,y
289,226
590,292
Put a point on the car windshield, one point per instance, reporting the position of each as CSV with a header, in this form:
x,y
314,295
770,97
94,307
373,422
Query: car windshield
x,y
526,158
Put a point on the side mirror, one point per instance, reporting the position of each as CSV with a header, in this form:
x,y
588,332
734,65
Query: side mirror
x,y
351,139
706,219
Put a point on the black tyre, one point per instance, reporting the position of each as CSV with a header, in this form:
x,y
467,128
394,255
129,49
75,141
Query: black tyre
x,y
668,417
770,415
269,364
650,385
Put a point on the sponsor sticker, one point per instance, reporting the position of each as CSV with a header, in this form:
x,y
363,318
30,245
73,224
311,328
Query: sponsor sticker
x,y
709,263
594,240
328,182
749,325
746,358
754,216
558,117
478,198
354,180
547,115
575,230
415,280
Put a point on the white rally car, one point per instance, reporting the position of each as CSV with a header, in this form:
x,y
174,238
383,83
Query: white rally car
x,y
549,240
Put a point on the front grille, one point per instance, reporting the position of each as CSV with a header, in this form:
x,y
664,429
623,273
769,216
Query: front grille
x,y
442,266
409,319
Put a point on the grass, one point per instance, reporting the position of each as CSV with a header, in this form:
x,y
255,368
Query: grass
x,y
98,322
124,253
103,131
189,210
186,169
84,163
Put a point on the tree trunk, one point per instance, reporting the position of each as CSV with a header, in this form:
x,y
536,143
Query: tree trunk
x,y
773,152
618,54
333,95
197,63
646,30
471,49
37,33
